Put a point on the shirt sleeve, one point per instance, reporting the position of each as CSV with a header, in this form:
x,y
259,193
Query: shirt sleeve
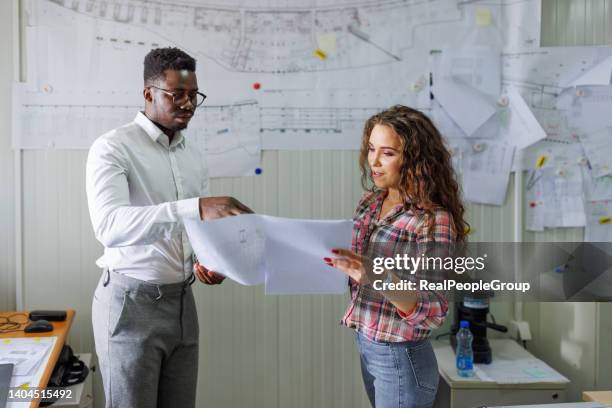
x,y
115,221
431,306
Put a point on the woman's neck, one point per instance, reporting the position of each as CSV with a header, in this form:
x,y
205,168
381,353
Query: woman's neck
x,y
393,196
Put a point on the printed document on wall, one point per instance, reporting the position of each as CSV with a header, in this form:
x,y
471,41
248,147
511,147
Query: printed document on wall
x,y
598,149
486,171
599,221
554,197
522,128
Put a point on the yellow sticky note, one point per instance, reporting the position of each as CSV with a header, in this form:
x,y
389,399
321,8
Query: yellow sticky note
x,y
319,53
327,42
540,161
7,341
605,220
483,17
36,339
24,386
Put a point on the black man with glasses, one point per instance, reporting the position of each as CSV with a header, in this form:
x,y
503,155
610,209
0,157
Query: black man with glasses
x,y
142,179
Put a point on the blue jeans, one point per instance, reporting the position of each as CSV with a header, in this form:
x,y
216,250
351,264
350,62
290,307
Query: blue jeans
x,y
398,375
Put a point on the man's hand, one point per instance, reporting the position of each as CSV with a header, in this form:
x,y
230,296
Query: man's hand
x,y
206,276
219,207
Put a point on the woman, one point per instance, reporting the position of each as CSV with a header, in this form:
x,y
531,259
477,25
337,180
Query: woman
x,y
414,199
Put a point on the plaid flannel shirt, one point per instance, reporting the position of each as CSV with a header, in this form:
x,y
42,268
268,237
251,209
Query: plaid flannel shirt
x,y
371,313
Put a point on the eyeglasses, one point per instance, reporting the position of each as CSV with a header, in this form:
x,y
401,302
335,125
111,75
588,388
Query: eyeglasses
x,y
180,97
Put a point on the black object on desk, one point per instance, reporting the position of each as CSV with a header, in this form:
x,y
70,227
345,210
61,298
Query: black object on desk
x,y
48,315
475,310
39,326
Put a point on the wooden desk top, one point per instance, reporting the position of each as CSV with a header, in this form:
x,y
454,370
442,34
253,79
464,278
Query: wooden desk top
x,y
60,330
602,397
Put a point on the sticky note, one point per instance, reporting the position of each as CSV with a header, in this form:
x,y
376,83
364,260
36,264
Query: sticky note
x,y
540,162
327,42
319,53
605,220
483,17
24,386
7,341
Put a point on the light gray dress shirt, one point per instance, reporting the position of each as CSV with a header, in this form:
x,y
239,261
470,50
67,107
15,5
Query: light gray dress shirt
x,y
139,186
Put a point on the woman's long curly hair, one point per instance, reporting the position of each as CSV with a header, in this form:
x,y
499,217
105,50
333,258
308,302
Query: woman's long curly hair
x,y
427,178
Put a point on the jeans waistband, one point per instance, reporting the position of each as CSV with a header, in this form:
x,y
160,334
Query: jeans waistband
x,y
156,290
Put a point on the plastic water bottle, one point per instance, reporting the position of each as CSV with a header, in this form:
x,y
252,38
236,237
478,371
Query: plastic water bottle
x,y
465,355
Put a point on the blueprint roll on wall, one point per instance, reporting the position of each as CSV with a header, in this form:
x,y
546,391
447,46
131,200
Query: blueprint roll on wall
x,y
307,361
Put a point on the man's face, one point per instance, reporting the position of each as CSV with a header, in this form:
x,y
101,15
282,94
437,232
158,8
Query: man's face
x,y
160,105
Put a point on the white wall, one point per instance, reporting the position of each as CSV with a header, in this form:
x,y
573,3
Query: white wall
x,y
261,351
7,196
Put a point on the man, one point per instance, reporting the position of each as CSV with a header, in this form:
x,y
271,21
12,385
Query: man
x,y
142,179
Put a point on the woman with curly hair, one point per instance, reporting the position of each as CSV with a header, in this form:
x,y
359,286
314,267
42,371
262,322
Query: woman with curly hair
x,y
412,197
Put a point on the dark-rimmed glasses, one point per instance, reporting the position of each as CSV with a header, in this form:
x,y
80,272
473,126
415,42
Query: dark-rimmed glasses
x,y
180,97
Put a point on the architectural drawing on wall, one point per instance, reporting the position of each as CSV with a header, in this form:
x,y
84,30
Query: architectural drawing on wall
x,y
351,58
226,135
313,72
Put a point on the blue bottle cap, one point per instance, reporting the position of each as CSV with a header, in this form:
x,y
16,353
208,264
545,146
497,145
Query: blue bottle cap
x,y
258,171
464,324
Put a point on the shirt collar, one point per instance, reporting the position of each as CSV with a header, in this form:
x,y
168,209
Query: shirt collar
x,y
156,134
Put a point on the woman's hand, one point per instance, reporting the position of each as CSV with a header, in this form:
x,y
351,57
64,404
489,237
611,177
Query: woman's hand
x,y
350,263
206,276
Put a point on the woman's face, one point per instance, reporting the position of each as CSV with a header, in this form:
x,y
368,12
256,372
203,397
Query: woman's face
x,y
385,157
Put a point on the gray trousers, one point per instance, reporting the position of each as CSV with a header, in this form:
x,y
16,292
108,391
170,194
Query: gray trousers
x,y
147,342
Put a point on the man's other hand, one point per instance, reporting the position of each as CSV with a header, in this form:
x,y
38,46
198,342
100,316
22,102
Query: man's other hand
x,y
206,276
219,207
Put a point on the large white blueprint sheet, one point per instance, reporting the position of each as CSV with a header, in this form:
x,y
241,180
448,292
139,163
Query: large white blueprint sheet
x,y
285,254
281,77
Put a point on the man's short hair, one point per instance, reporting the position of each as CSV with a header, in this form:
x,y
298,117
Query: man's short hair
x,y
160,59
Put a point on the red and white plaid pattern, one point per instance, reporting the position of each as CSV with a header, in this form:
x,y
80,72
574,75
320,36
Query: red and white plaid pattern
x,y
369,312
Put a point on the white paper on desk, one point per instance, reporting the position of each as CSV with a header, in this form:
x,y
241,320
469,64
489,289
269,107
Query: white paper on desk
x,y
486,171
285,254
595,230
26,355
466,106
296,249
522,129
599,74
528,370
598,149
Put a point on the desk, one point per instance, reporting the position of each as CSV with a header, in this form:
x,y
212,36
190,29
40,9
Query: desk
x,y
459,392
60,330
602,397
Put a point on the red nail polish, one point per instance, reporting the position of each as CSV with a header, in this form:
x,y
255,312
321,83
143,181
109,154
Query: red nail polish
x,y
328,260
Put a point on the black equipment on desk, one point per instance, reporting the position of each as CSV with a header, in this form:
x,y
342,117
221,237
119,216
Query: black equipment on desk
x,y
69,370
48,315
475,311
